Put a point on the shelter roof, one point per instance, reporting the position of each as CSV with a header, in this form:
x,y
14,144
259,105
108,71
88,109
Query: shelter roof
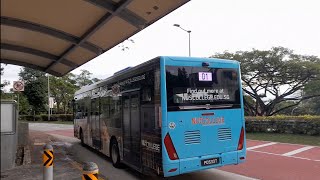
x,y
57,36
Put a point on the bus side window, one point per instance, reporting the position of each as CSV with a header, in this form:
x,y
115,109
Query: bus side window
x,y
79,114
146,95
105,107
85,113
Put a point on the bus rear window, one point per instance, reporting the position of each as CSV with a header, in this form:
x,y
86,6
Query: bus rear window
x,y
190,88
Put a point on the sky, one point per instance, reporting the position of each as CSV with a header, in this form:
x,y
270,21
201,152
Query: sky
x,y
216,26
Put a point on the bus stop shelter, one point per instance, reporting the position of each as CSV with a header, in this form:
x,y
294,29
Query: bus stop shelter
x,y
57,36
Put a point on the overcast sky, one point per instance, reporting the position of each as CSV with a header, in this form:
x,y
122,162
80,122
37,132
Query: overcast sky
x,y
216,25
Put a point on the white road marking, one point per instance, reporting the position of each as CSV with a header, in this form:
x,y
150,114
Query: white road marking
x,y
276,142
286,156
262,145
298,151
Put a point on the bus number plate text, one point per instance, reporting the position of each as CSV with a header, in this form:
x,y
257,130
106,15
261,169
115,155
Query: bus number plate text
x,y
207,162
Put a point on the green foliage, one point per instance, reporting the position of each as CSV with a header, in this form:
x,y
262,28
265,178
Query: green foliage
x,y
307,124
84,78
35,88
62,90
311,106
5,83
284,117
264,73
44,117
35,96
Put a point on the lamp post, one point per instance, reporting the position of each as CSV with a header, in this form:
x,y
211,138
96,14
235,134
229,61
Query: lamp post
x,y
189,32
48,99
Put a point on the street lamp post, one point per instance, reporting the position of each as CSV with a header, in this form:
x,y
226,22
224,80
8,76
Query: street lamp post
x,y
48,99
189,32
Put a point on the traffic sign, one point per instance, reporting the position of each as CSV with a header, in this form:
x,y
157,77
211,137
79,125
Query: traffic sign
x,y
18,86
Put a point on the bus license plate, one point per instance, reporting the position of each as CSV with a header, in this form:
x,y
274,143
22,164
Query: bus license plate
x,y
207,162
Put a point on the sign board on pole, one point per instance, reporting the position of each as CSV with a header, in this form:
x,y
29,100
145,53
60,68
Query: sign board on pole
x,y
18,86
51,102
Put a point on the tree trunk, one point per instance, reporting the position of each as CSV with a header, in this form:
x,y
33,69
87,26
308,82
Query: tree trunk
x,y
58,106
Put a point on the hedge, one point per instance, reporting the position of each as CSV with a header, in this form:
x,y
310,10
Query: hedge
x,y
309,125
44,117
283,117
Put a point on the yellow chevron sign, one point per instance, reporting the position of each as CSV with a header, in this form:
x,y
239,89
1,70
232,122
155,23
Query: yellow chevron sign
x,y
47,158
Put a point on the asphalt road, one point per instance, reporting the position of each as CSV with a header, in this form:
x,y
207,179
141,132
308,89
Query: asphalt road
x,y
265,160
82,154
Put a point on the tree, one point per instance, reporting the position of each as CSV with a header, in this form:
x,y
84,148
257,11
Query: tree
x,y
35,88
5,83
84,78
63,89
274,76
24,106
311,106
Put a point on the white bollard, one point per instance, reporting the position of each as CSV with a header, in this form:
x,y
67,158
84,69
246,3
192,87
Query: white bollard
x,y
47,162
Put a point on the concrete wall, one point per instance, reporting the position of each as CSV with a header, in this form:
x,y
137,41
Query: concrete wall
x,y
9,140
23,134
8,151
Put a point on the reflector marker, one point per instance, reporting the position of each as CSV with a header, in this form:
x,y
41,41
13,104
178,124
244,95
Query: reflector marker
x,y
47,158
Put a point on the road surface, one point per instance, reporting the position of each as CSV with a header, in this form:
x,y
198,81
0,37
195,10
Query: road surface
x,y
265,160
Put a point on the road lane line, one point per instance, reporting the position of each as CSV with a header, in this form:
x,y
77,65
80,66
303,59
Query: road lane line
x,y
262,145
277,142
285,156
298,151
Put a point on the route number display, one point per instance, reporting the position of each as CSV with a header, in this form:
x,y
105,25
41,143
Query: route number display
x,y
205,76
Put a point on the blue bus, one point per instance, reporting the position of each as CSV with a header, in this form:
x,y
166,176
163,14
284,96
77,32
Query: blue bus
x,y
167,116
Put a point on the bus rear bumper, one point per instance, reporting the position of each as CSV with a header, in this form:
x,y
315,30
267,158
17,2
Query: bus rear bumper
x,y
194,164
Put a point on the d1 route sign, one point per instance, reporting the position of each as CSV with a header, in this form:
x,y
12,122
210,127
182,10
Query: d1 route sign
x,y
18,86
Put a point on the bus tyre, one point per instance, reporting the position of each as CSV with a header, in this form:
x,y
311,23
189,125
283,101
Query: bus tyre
x,y
81,137
115,156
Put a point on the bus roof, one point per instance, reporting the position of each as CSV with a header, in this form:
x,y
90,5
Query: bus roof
x,y
172,58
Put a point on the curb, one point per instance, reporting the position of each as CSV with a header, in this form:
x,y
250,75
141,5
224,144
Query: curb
x,y
26,155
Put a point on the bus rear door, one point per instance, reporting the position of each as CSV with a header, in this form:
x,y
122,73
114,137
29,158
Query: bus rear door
x,y
131,128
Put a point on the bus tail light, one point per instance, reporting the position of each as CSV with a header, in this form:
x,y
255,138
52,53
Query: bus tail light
x,y
241,139
170,147
173,170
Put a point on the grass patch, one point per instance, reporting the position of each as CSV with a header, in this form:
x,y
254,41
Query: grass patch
x,y
286,138
51,122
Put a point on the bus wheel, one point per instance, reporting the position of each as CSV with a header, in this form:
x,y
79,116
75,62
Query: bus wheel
x,y
81,137
115,156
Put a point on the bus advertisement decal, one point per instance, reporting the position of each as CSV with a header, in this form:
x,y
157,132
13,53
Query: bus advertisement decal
x,y
150,146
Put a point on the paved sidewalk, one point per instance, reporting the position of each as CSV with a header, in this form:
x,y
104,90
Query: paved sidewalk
x,y
64,167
